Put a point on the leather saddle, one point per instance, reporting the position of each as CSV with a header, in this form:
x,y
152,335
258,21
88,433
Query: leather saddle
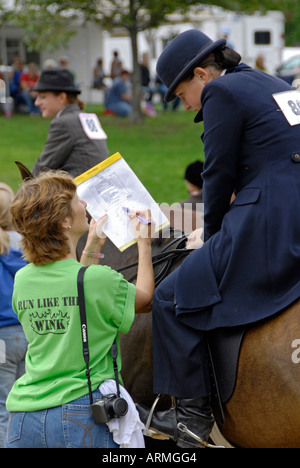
x,y
224,345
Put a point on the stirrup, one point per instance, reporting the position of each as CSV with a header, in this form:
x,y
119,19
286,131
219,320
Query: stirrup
x,y
182,427
152,432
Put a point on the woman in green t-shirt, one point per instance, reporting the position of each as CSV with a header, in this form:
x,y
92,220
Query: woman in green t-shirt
x,y
49,405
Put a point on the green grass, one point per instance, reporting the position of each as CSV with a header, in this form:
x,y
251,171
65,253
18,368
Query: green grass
x,y
158,150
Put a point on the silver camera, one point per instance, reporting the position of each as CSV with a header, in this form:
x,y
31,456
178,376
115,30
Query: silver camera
x,y
108,407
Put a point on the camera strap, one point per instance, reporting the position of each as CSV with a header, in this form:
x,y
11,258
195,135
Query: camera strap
x,y
84,334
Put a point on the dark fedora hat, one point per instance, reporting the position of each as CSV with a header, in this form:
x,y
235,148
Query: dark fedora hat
x,y
56,79
182,55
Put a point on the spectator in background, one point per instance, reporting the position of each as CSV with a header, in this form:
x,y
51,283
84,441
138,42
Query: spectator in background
x,y
50,63
146,84
118,97
187,216
15,60
260,64
27,83
194,182
11,332
116,66
14,84
63,62
226,35
162,89
99,75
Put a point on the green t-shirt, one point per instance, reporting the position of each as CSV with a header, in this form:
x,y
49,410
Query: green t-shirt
x,y
45,299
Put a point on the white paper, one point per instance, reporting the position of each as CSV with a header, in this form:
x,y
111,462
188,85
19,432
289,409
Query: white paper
x,y
111,186
289,103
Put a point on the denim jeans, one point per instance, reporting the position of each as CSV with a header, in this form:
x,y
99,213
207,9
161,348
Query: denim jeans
x,y
67,426
121,108
32,108
14,343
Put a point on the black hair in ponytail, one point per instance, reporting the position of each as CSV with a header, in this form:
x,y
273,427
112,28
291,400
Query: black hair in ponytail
x,y
222,59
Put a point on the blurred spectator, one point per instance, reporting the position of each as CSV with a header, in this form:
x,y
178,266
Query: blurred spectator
x,y
188,214
11,332
27,83
260,63
118,97
15,61
193,181
50,63
147,89
162,89
99,75
14,84
63,62
116,66
226,34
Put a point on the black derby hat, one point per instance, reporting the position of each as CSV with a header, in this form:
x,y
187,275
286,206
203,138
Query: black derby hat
x,y
181,56
56,79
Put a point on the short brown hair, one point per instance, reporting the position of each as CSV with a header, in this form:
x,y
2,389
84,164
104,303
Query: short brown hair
x,y
39,208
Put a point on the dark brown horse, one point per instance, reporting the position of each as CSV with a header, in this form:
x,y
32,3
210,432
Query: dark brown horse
x,y
264,410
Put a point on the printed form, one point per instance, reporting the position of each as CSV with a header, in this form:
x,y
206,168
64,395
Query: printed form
x,y
110,187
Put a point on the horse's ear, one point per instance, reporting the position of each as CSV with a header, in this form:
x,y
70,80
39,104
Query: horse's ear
x,y
25,173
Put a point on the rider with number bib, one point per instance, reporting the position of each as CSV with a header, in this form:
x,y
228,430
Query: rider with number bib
x,y
248,266
76,141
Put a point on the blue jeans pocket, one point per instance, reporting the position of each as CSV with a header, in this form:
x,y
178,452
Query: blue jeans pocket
x,y
15,424
81,431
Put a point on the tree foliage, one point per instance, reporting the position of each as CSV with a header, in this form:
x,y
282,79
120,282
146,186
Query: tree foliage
x,y
49,24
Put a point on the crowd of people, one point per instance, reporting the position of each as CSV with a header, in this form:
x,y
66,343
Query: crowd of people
x,y
116,85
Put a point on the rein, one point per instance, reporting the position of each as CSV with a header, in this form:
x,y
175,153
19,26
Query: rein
x,y
167,256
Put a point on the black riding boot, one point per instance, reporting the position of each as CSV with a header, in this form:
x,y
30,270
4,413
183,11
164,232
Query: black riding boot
x,y
192,415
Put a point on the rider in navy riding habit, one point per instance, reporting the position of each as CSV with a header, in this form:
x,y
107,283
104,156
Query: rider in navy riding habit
x,y
248,266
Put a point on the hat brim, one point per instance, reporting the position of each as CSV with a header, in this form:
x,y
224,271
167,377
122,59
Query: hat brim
x,y
169,96
42,88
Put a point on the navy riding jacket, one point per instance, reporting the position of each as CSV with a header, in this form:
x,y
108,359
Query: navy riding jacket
x,y
249,266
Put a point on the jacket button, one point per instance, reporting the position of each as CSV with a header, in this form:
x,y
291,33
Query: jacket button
x,y
296,157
